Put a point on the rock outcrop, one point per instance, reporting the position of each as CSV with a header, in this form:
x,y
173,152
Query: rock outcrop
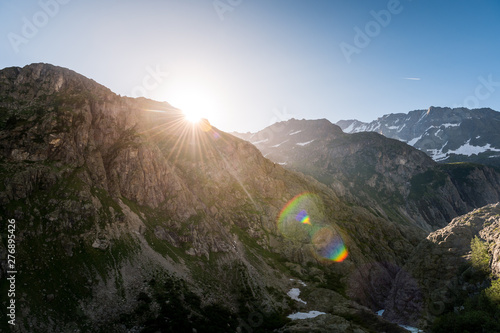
x,y
439,277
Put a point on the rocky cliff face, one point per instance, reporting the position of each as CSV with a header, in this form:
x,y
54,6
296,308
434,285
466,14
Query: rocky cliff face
x,y
440,276
130,219
445,134
396,180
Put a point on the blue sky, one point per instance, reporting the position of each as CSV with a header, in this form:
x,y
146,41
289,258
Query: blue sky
x,y
248,63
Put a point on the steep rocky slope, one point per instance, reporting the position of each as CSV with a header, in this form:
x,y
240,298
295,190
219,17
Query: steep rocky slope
x,y
441,276
130,219
392,178
445,134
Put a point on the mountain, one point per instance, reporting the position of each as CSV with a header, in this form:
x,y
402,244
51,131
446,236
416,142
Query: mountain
x,y
445,134
127,218
387,176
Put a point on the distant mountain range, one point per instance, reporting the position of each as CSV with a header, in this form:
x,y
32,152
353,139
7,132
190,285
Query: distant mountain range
x,y
445,134
392,178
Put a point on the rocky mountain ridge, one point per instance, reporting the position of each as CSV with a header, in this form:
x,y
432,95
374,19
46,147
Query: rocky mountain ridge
x,y
445,134
121,201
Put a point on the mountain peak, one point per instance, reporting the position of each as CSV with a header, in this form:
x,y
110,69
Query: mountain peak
x,y
47,79
446,134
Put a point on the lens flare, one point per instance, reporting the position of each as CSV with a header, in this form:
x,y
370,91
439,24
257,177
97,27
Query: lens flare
x,y
294,220
302,219
299,205
329,245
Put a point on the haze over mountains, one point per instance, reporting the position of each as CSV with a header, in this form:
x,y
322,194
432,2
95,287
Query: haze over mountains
x,y
131,219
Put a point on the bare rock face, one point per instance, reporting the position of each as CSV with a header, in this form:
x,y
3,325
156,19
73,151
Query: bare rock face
x,y
120,201
433,279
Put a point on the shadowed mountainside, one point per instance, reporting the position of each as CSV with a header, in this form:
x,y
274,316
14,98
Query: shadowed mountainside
x,y
128,218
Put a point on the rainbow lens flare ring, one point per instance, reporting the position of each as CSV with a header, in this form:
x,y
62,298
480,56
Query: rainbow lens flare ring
x,y
328,244
303,219
296,217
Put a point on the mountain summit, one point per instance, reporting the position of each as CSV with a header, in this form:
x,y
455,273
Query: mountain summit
x,y
445,134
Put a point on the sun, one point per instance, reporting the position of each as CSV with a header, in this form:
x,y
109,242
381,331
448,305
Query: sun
x,y
194,99
192,116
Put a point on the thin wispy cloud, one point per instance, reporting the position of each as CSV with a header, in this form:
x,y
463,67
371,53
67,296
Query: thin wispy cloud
x,y
412,78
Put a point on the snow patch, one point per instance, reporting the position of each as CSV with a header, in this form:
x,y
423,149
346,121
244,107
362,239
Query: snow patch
x,y
437,154
408,328
281,163
260,141
423,115
361,129
279,144
468,149
415,140
296,132
304,143
358,129
373,127
300,281
465,149
450,125
305,315
411,329
349,128
443,125
294,294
